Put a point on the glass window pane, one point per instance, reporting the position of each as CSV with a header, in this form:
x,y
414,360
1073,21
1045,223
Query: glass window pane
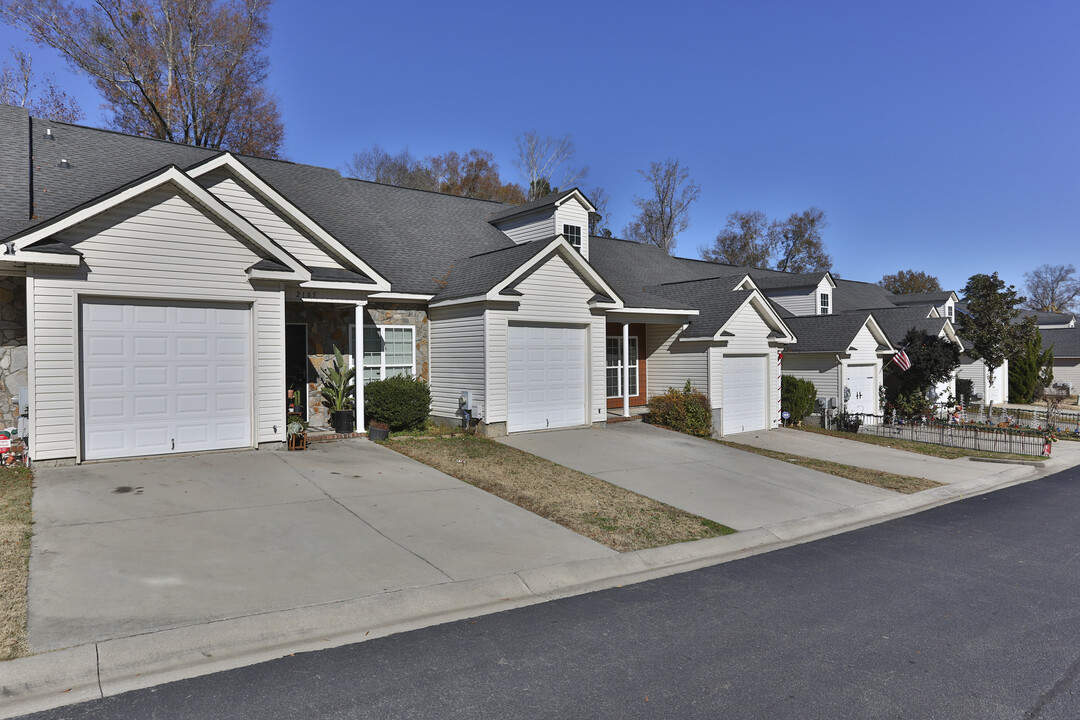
x,y
373,346
396,372
614,352
371,374
613,383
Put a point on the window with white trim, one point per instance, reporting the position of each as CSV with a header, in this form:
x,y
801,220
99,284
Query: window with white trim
x,y
824,304
948,311
573,235
615,367
389,351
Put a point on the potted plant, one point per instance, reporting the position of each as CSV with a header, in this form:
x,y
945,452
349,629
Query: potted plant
x,y
296,432
338,390
378,431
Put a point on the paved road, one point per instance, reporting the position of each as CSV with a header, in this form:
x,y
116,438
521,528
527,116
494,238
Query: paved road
x,y
970,610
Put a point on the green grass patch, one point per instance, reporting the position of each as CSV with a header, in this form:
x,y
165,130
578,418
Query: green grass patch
x,y
609,514
889,481
16,493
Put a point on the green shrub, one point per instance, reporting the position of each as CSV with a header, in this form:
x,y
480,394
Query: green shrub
x,y
685,410
848,422
401,402
797,396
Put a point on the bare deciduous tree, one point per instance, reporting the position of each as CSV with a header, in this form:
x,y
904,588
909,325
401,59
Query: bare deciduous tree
x,y
745,241
19,87
666,212
403,170
1052,288
190,71
540,158
750,240
599,221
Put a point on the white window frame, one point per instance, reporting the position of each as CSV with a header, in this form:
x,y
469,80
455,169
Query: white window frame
x,y
824,303
566,233
634,365
358,362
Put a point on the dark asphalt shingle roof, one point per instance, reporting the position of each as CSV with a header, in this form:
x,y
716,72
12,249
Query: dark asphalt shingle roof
x,y
410,237
1050,318
826,333
478,274
1065,341
934,298
854,295
714,299
897,321
544,202
795,281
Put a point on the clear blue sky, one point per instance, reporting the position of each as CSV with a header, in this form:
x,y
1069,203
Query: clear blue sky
x,y
940,136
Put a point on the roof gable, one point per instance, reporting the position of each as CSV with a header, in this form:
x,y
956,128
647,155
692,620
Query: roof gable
x,y
277,202
183,184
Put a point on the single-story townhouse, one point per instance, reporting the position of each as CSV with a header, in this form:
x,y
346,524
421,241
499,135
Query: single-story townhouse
x,y
1065,343
162,298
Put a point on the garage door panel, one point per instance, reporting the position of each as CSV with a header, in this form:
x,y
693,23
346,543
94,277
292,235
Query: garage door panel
x,y
745,392
546,375
156,385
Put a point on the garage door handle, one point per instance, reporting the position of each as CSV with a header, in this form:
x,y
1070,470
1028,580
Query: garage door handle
x,y
173,444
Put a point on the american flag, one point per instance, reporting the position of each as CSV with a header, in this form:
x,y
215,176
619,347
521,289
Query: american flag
x,y
902,360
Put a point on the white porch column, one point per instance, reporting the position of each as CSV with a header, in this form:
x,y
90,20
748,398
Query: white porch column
x,y
626,369
358,363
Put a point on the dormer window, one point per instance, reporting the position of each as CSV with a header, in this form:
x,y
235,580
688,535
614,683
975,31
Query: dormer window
x,y
572,233
948,311
824,304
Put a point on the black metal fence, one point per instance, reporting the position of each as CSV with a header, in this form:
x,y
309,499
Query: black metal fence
x,y
966,436
1060,420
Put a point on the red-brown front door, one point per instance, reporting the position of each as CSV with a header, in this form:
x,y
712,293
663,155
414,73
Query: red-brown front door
x,y
637,333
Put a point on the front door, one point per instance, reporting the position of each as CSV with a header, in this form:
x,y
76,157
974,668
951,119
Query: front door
x,y
614,365
296,369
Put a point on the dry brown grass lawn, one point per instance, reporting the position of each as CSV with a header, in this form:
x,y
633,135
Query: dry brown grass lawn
x,y
16,490
941,451
898,483
611,515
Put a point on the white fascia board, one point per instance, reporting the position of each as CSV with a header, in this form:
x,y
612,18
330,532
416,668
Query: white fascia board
x,y
189,187
763,308
330,285
30,257
650,311
747,283
949,333
580,197
461,301
271,275
280,203
401,297
829,277
571,256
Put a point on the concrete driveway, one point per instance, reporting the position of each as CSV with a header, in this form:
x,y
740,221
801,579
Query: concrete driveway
x,y
739,489
124,548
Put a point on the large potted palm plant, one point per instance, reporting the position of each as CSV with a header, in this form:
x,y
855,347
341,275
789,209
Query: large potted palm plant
x,y
339,393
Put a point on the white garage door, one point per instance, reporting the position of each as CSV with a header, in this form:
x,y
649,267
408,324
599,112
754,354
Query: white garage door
x,y
546,377
160,379
745,393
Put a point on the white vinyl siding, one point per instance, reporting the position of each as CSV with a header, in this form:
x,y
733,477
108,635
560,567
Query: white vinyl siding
x,y
552,294
456,362
540,226
671,363
975,370
572,212
278,228
1067,370
797,302
821,369
161,246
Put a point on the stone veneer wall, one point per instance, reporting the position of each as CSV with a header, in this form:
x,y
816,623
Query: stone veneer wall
x,y
13,348
328,325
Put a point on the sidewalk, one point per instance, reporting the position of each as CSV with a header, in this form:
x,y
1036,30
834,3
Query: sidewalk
x,y
113,666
